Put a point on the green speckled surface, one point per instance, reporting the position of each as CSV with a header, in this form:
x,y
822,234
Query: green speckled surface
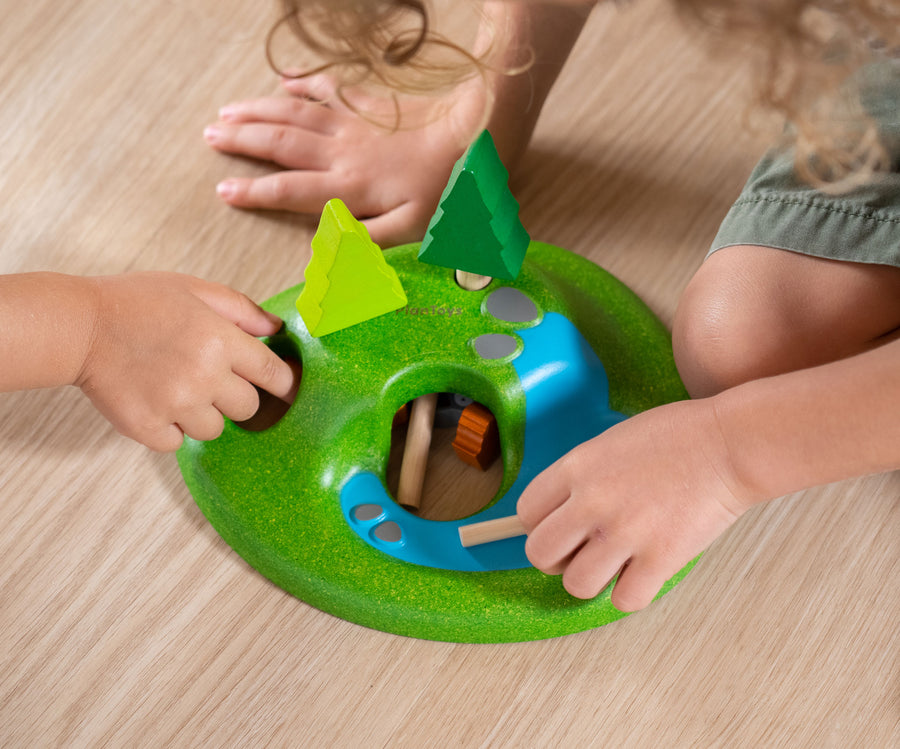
x,y
274,495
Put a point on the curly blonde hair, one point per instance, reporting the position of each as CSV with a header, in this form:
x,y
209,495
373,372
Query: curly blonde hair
x,y
807,55
386,43
806,51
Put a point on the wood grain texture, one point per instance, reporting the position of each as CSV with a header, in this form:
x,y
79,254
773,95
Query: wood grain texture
x,y
126,621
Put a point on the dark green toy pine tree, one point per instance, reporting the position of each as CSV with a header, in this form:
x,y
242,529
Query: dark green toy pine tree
x,y
476,227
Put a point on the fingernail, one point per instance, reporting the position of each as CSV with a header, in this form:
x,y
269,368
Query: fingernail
x,y
226,189
212,134
227,112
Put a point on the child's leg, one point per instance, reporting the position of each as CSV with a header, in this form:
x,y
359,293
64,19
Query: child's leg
x,y
831,291
753,311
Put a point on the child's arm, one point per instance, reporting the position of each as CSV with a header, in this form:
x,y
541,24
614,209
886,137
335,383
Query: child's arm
x,y
393,179
159,354
652,492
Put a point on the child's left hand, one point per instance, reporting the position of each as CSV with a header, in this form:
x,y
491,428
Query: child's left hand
x,y
638,501
391,179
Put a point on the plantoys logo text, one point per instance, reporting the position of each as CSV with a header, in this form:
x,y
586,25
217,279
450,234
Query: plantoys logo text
x,y
432,310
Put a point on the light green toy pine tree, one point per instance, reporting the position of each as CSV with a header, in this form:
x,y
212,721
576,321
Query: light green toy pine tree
x,y
348,280
476,227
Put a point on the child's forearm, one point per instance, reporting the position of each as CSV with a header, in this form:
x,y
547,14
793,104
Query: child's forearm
x,y
540,34
815,426
46,321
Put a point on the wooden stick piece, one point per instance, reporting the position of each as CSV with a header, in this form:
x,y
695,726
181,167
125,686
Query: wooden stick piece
x,y
472,281
498,529
415,453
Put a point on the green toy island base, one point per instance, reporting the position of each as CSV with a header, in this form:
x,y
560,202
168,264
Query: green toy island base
x,y
275,495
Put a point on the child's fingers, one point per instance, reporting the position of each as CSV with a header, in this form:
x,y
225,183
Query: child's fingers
x,y
137,419
638,585
323,89
547,491
405,223
285,145
320,88
297,373
238,399
593,567
257,363
551,544
557,568
236,307
202,424
283,110
300,192
166,439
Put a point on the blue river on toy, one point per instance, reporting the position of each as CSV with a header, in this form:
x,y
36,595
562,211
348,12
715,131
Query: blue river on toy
x,y
566,403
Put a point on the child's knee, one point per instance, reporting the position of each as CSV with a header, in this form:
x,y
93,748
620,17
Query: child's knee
x,y
752,312
703,341
724,332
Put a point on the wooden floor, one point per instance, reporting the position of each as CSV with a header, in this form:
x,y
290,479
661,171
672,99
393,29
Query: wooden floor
x,y
126,621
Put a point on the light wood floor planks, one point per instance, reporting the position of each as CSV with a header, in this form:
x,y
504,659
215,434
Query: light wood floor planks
x,y
125,621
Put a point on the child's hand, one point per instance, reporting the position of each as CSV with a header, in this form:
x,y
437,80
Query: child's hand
x,y
391,180
171,354
644,498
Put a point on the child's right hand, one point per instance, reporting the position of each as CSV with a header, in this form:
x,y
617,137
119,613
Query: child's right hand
x,y
390,179
635,504
171,355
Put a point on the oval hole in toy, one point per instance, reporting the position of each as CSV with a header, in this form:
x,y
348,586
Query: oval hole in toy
x,y
388,532
271,408
495,345
511,305
367,513
456,484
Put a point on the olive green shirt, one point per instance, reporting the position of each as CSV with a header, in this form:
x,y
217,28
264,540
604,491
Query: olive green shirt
x,y
776,210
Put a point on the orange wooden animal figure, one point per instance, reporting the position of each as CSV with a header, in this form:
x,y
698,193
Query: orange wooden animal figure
x,y
477,439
